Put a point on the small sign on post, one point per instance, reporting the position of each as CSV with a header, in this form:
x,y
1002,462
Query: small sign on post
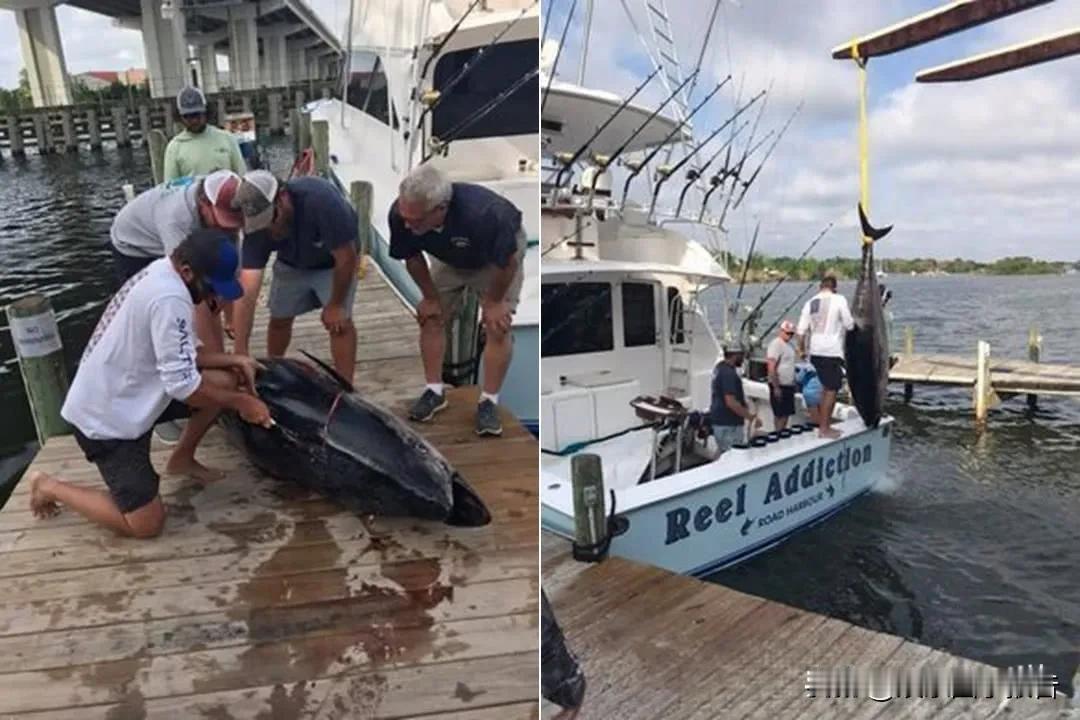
x,y
36,337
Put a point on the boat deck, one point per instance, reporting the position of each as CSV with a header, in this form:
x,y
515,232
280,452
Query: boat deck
x,y
261,601
658,645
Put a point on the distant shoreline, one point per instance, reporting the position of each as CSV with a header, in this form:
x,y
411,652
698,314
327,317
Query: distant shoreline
x,y
764,268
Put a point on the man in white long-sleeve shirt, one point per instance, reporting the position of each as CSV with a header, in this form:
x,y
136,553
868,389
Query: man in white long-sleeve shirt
x,y
142,364
827,317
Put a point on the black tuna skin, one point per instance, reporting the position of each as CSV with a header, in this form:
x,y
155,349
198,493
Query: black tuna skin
x,y
350,450
866,347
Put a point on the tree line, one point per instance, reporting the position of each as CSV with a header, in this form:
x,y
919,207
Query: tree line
x,y
764,267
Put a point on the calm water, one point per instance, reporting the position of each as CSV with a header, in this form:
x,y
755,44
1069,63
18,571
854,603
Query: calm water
x,y
972,545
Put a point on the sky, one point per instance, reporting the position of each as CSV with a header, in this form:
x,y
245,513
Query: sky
x,y
978,170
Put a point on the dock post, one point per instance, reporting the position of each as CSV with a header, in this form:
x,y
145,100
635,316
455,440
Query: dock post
x,y
157,155
41,362
326,93
304,131
299,99
93,129
909,341
246,101
275,114
983,388
1034,351
590,529
144,125
320,141
41,131
129,192
222,110
120,126
361,193
170,120
71,142
15,138
294,130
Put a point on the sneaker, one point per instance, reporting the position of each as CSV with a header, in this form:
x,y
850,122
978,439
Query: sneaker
x,y
487,419
427,405
168,432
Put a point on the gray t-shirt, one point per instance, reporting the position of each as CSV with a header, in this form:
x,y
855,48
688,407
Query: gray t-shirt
x,y
158,220
784,355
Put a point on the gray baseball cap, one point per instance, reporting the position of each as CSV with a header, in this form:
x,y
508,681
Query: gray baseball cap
x,y
255,199
191,101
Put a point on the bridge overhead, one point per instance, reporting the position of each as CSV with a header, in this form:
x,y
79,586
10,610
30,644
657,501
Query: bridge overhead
x,y
271,43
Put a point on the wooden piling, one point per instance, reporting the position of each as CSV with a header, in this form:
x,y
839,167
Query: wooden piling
x,y
41,130
361,194
1034,351
41,361
246,100
157,155
298,99
222,111
144,125
320,142
304,131
120,126
983,387
326,93
170,119
909,351
274,101
93,129
294,130
15,138
71,142
588,478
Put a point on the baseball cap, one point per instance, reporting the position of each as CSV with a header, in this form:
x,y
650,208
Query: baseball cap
x,y
787,326
733,349
213,257
190,101
221,188
255,200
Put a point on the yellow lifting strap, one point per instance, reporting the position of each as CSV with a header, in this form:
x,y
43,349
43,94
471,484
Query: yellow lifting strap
x,y
864,141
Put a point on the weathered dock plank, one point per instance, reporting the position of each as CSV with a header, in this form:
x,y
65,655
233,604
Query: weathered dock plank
x,y
658,645
1006,376
261,600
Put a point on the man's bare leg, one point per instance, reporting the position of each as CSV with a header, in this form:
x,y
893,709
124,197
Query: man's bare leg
x,y
278,336
343,352
432,347
497,356
48,493
780,423
182,461
825,410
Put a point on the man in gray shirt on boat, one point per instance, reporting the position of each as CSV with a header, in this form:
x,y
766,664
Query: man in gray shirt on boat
x,y
728,410
780,358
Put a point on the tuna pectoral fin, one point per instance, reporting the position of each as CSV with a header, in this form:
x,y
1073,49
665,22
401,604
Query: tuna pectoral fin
x,y
345,384
869,230
468,510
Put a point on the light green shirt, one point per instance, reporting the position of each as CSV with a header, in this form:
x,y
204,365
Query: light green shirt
x,y
212,149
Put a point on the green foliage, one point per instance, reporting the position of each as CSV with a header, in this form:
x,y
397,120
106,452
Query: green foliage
x,y
765,267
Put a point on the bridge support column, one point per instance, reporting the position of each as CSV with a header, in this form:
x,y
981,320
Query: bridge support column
x,y
165,48
43,56
243,47
298,69
276,60
208,74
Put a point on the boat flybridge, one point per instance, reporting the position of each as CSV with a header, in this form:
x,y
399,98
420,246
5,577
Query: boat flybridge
x,y
627,359
453,83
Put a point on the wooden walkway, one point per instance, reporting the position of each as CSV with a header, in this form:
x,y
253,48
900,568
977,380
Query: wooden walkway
x,y
658,645
263,602
1006,376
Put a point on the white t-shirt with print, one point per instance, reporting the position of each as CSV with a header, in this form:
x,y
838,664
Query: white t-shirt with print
x,y
827,317
141,356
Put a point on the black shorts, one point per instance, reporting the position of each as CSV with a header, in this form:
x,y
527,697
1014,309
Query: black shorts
x,y
126,267
783,406
125,464
830,371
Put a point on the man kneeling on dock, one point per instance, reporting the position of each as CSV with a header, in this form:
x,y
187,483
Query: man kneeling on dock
x,y
141,364
476,241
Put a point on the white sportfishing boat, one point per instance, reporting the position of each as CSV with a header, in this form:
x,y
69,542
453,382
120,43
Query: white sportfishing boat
x,y
454,83
627,359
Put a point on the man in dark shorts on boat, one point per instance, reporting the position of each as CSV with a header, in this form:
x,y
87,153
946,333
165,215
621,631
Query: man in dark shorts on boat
x,y
141,364
827,318
780,359
728,410
476,241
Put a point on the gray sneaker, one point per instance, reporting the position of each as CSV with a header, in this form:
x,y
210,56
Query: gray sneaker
x,y
427,405
168,432
487,419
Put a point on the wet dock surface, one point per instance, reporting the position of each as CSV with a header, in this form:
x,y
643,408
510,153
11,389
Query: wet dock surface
x,y
658,645
263,601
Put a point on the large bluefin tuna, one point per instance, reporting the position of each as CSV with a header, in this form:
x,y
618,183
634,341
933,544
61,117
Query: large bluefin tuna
x,y
866,347
330,440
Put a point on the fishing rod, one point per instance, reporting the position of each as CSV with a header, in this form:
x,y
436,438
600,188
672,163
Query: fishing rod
x,y
694,173
776,141
630,138
558,54
446,38
487,108
665,174
750,148
469,67
734,175
785,311
704,46
677,129
564,238
746,265
603,126
765,298
547,24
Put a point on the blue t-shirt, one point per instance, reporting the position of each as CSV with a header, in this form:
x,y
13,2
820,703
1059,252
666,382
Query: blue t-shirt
x,y
481,229
322,221
725,381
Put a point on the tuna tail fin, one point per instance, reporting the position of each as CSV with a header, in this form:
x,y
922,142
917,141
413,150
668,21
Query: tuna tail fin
x,y
330,371
468,510
869,230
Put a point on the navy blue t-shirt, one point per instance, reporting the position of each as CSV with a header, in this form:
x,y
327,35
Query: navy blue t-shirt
x,y
322,221
480,229
725,381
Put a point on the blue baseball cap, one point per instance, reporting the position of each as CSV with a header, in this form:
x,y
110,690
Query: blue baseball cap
x,y
212,255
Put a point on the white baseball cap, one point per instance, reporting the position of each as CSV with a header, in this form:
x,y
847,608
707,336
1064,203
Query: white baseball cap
x,y
255,199
190,101
221,188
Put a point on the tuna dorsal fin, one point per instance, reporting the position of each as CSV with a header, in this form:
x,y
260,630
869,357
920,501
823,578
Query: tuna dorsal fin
x,y
330,371
869,230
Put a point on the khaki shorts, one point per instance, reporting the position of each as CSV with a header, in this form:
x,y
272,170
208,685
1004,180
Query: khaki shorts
x,y
451,282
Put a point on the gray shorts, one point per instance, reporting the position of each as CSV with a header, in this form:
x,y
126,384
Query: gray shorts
x,y
727,436
294,291
451,282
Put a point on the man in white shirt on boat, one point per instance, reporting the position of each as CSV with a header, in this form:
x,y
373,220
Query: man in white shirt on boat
x,y
728,410
780,359
827,318
476,241
144,362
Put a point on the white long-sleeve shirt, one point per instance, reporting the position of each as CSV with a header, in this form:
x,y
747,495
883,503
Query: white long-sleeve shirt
x,y
141,356
827,316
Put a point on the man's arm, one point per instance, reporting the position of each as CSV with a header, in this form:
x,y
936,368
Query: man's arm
x,y
418,269
171,169
345,259
845,315
236,158
736,407
244,308
774,378
502,279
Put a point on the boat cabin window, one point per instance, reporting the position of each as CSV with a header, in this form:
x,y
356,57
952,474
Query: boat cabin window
x,y
580,318
368,90
639,314
675,313
502,66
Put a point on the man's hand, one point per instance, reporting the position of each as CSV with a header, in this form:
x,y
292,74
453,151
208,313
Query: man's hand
x,y
254,411
428,309
247,367
496,315
334,319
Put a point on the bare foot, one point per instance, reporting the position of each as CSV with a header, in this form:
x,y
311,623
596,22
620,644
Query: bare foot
x,y
41,504
194,470
829,434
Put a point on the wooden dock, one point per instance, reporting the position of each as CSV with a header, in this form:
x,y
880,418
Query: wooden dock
x,y
1006,376
658,645
262,601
